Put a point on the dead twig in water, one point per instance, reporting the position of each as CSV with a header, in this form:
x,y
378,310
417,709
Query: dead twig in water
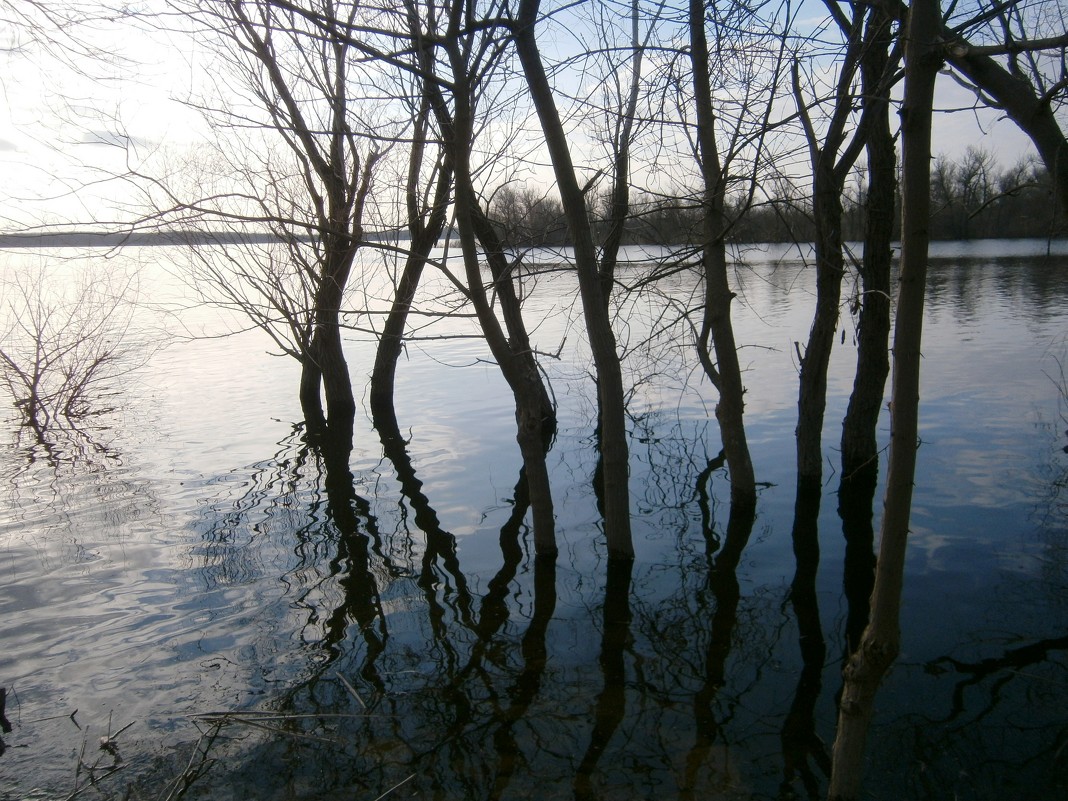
x,y
184,780
394,787
352,690
253,722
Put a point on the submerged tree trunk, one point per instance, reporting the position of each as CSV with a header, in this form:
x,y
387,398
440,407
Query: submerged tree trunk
x,y
311,396
531,399
503,272
391,340
830,267
830,166
330,355
859,440
613,428
324,371
324,359
725,374
425,227
340,243
881,641
534,412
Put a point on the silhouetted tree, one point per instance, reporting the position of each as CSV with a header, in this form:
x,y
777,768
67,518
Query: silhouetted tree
x,y
612,425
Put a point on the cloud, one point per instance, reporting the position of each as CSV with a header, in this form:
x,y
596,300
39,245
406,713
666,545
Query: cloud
x,y
102,137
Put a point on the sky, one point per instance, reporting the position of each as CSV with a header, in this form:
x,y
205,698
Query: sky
x,y
68,121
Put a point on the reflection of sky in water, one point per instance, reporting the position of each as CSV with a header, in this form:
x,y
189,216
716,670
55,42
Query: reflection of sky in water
x,y
197,569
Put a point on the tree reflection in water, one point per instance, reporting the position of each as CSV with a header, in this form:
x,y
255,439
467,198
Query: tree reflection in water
x,y
611,704
800,743
539,679
721,581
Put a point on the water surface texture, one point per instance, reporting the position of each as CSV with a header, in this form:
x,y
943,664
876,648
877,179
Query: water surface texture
x,y
180,579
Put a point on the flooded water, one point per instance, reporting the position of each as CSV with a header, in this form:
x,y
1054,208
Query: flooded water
x,y
178,580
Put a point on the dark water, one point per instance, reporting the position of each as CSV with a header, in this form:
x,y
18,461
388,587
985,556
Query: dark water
x,y
185,559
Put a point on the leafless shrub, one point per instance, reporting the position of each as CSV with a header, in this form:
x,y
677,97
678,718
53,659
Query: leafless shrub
x,y
66,339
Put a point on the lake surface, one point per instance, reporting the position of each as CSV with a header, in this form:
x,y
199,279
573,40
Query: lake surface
x,y
183,560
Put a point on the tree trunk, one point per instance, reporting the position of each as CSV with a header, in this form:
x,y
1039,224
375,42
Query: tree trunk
x,y
503,274
326,349
725,374
859,428
613,428
830,267
311,399
425,230
513,354
534,411
391,341
337,384
881,641
831,158
619,200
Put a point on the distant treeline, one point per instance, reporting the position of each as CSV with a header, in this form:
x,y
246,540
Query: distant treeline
x,y
114,239
154,238
973,198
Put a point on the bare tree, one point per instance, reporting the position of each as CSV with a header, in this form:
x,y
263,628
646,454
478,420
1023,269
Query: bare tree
x,y
66,343
303,180
880,642
612,428
467,58
57,29
1015,70
832,152
527,217
451,64
879,61
744,130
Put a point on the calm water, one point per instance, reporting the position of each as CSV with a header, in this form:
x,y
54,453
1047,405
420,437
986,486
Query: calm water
x,y
184,559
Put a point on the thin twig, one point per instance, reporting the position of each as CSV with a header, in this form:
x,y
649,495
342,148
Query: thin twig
x,y
277,730
189,775
394,787
352,690
93,782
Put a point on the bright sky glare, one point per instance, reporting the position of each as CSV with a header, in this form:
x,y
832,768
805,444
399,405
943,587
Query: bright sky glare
x,y
64,127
